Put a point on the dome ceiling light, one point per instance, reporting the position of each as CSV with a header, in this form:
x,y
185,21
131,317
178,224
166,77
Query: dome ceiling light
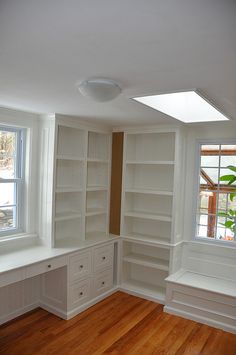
x,y
99,89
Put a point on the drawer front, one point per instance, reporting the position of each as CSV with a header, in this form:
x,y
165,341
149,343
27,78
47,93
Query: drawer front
x,y
45,266
10,277
103,257
102,282
79,293
80,266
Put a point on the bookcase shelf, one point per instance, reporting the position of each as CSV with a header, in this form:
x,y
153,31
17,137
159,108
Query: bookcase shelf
x,y
147,215
95,211
149,261
144,280
147,206
67,215
149,192
82,161
69,157
94,160
97,188
65,189
149,256
150,162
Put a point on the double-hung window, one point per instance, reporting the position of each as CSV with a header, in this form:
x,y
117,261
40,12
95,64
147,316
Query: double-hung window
x,y
216,210
11,180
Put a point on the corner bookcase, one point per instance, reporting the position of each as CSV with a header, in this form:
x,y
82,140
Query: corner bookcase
x,y
81,185
149,223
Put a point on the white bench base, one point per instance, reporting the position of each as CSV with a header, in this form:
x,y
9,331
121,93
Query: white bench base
x,y
202,298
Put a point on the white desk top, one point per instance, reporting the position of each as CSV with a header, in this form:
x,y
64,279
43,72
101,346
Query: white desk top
x,y
14,259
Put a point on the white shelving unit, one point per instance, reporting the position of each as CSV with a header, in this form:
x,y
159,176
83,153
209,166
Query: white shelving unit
x,y
82,183
98,185
148,229
70,164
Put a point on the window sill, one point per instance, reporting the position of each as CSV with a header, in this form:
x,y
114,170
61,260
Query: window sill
x,y
215,242
20,239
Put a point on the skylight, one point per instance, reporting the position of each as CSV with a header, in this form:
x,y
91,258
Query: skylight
x,y
187,106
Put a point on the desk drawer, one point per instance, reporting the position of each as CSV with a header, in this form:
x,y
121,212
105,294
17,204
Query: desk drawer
x,y
80,266
10,277
103,281
79,293
103,257
45,266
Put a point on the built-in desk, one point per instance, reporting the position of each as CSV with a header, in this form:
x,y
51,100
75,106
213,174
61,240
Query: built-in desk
x,y
55,278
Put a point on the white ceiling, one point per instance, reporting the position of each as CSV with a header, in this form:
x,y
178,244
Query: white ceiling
x,y
147,46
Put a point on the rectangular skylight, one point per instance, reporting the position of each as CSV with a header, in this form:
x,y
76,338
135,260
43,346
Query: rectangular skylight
x,y
186,106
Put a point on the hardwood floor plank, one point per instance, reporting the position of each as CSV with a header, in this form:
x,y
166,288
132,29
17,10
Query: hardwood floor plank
x,y
128,340
119,325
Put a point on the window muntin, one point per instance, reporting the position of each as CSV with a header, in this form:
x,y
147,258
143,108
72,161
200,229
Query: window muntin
x,y
11,180
216,210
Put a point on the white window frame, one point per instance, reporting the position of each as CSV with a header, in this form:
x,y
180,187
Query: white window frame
x,y
197,190
19,180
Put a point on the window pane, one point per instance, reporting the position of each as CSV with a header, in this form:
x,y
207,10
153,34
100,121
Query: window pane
x,y
210,160
7,194
7,218
8,154
227,160
203,220
202,231
224,172
222,202
210,176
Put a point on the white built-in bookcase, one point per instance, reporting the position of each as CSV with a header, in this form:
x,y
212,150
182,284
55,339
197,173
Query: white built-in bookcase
x,y
81,184
149,226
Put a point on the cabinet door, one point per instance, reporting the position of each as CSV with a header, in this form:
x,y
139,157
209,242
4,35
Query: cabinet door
x,y
79,293
80,266
103,257
103,282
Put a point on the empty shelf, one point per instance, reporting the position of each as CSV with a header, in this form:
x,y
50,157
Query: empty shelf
x,y
146,260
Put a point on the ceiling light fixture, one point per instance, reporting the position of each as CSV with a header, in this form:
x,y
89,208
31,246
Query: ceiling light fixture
x,y
186,106
99,89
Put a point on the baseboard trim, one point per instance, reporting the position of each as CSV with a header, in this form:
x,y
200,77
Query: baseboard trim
x,y
82,308
141,295
194,317
53,310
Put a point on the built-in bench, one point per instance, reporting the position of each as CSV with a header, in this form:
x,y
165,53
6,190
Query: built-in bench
x,y
202,298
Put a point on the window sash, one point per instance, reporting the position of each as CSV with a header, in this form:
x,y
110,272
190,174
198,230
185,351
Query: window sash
x,y
18,180
217,189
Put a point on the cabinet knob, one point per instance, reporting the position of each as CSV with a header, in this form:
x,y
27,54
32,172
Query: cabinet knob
x,y
103,282
81,293
103,258
81,266
49,266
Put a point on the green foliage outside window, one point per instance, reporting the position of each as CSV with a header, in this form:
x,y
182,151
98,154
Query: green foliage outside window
x,y
231,214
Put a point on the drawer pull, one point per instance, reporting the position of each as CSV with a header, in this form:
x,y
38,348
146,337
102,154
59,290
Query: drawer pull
x,y
81,293
103,282
103,258
49,266
81,266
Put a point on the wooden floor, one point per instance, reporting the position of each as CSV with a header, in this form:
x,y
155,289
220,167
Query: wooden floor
x,y
121,324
